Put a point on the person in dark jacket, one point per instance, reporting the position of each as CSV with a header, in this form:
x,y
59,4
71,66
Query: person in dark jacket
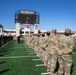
x,y
18,39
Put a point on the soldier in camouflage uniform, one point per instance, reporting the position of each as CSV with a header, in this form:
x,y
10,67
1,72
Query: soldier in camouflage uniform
x,y
47,55
44,47
65,46
33,41
51,47
43,42
36,42
27,39
31,38
52,44
40,46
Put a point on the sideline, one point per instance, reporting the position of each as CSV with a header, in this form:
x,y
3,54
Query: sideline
x,y
4,44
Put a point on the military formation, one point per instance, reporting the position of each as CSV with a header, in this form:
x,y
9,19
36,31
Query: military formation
x,y
53,49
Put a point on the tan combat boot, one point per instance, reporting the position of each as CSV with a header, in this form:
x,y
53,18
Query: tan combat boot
x,y
53,74
45,64
48,69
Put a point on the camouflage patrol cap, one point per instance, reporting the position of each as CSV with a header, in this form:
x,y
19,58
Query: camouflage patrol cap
x,y
54,30
67,30
39,34
48,31
42,33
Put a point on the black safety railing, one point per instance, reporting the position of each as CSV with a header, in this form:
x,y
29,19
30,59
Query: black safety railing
x,y
5,39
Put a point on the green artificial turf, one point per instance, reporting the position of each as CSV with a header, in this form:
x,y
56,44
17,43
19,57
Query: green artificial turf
x,y
23,65
74,60
19,66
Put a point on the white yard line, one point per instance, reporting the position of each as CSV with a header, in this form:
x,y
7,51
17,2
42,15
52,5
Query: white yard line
x,y
17,57
40,65
12,47
18,47
32,53
74,53
36,59
45,73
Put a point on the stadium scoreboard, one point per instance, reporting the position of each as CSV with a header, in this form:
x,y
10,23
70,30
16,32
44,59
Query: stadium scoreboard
x,y
26,16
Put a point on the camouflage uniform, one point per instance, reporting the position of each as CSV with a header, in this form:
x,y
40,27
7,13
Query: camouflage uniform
x,y
66,44
28,40
35,43
25,39
40,49
31,39
45,52
38,44
52,44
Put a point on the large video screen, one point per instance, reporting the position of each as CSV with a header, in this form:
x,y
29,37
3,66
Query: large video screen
x,y
26,18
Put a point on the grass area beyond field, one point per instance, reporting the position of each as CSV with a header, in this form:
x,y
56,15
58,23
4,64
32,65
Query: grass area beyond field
x,y
17,59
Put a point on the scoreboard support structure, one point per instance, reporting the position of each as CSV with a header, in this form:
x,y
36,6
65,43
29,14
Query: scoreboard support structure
x,y
17,29
35,28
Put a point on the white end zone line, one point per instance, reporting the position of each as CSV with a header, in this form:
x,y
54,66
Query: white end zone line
x,y
17,57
